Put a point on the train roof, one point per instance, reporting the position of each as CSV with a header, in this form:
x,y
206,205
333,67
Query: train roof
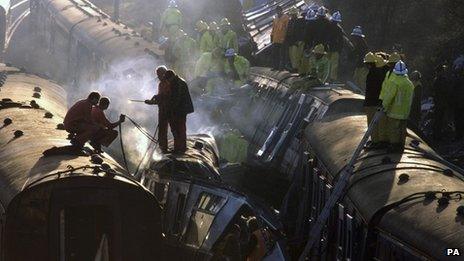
x,y
35,107
377,191
113,41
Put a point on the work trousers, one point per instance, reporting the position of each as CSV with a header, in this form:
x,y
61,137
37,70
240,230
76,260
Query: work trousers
x,y
178,125
84,131
375,135
105,137
278,56
163,122
359,77
396,130
295,53
334,59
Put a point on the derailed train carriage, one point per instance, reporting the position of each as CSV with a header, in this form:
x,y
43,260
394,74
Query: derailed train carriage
x,y
66,206
397,206
200,211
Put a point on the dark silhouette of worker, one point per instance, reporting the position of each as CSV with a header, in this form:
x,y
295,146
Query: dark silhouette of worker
x,y
78,120
181,104
163,100
106,135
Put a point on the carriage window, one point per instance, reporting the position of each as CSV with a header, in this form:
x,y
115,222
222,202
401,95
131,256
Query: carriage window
x,y
203,214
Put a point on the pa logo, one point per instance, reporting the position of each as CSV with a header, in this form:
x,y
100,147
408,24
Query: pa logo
x,y
453,252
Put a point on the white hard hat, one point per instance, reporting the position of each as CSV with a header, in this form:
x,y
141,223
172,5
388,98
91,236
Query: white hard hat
x,y
172,3
310,15
321,12
313,7
336,17
229,52
357,30
400,68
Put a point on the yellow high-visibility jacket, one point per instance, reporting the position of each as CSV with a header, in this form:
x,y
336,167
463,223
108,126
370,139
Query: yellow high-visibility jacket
x,y
397,97
229,40
242,65
206,42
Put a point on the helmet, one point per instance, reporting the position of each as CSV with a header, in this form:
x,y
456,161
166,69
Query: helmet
x,y
181,33
370,58
213,26
229,52
225,22
321,12
172,3
400,68
394,57
380,61
357,31
201,26
313,7
319,49
415,76
336,17
293,11
310,15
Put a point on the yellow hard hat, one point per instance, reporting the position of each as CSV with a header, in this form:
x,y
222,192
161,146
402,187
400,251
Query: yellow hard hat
x,y
370,58
293,11
394,58
202,26
380,61
319,49
225,22
213,26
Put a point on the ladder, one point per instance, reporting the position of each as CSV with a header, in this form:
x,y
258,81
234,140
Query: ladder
x,y
339,189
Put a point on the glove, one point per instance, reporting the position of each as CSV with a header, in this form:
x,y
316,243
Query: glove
x,y
122,118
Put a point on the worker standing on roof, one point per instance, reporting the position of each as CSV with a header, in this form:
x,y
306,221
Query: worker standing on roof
x,y
106,134
377,71
163,100
360,50
322,34
335,43
209,71
278,34
185,53
205,37
229,37
320,66
308,41
396,101
78,121
295,38
171,20
442,92
236,67
182,105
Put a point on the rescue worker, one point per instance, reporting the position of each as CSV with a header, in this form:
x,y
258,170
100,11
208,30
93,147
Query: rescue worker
x,y
335,43
415,115
320,66
321,28
442,91
259,241
163,100
106,134
278,34
171,20
205,37
374,79
295,38
209,71
236,67
182,105
233,146
216,33
360,50
78,121
396,101
185,53
228,36
308,41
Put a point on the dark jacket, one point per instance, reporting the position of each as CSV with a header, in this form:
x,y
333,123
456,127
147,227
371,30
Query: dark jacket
x,y
360,50
309,33
295,30
181,101
374,82
322,32
336,40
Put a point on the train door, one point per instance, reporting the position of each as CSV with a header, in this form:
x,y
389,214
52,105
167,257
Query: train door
x,y
80,230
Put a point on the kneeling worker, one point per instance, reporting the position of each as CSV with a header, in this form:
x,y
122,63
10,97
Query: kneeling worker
x,y
396,99
106,135
78,120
